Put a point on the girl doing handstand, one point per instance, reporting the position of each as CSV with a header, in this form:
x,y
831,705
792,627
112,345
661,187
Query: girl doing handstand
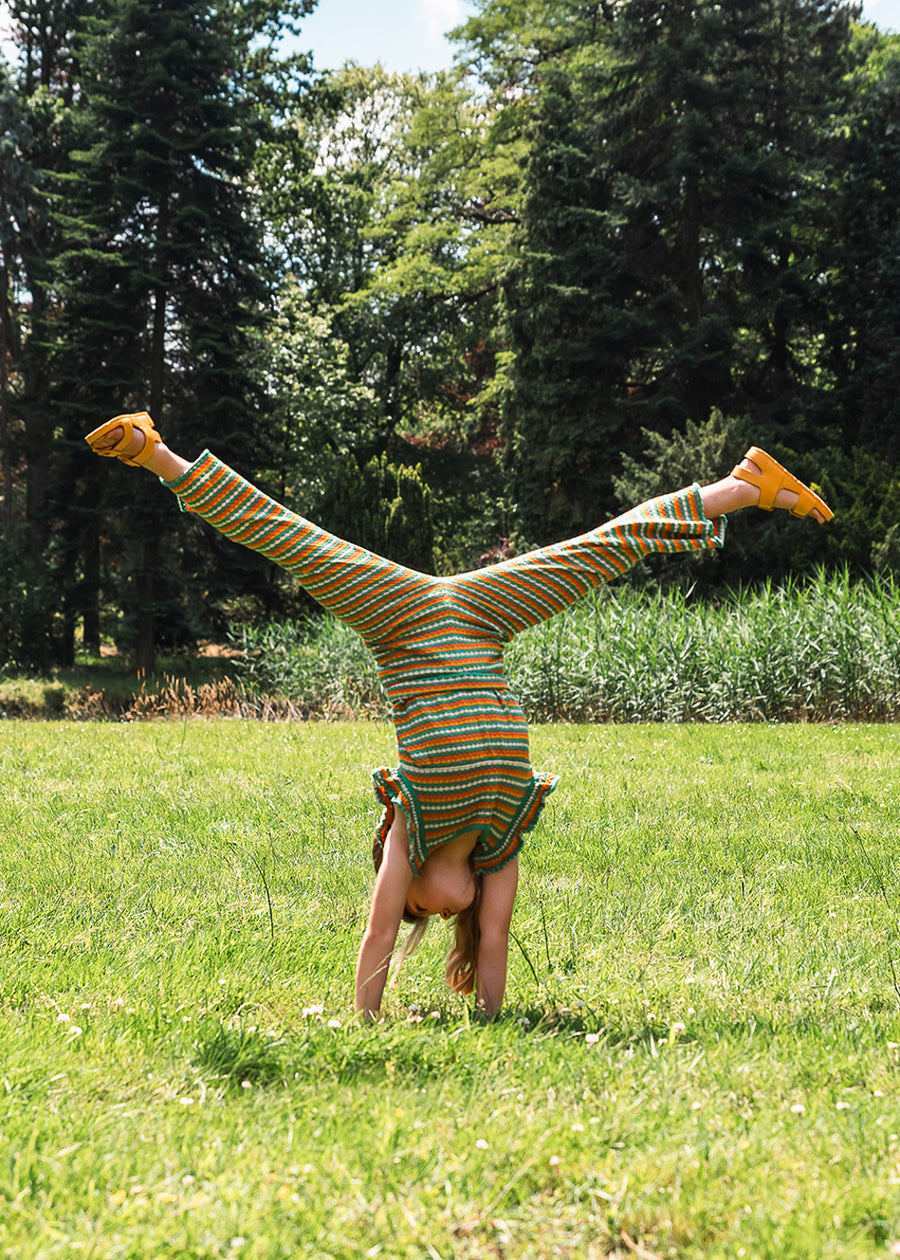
x,y
457,806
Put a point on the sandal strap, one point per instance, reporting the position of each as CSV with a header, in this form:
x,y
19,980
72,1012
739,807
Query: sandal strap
x,y
773,477
139,420
767,481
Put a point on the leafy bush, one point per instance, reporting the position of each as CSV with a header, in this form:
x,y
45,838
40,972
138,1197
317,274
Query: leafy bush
x,y
861,488
317,662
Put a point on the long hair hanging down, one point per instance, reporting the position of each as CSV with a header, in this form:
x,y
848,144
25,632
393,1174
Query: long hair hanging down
x,y
462,959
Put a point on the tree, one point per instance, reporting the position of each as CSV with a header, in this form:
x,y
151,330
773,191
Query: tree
x,y
16,181
339,185
38,94
864,337
383,507
677,228
160,280
390,207
561,294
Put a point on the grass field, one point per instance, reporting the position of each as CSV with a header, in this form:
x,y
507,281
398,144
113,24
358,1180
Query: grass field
x,y
700,1055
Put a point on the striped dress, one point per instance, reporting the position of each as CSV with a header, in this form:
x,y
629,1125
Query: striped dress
x,y
463,758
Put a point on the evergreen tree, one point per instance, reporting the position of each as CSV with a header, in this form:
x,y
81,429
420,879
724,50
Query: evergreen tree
x,y
864,338
560,418
383,507
132,271
27,597
161,278
678,220
41,88
43,80
16,181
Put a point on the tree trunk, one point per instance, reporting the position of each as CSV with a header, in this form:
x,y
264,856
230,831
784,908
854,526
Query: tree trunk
x,y
67,646
146,592
6,481
146,644
90,609
38,435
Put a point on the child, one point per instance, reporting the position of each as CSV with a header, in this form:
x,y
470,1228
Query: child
x,y
464,794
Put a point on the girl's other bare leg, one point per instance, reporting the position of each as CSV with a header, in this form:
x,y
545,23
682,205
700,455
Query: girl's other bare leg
x,y
731,493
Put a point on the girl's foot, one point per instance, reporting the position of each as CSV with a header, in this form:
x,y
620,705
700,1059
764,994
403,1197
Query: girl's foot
x,y
779,488
133,439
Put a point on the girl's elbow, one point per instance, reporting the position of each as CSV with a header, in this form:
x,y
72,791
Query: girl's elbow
x,y
379,939
494,939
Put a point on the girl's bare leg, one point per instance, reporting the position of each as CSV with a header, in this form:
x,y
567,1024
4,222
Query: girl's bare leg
x,y
731,495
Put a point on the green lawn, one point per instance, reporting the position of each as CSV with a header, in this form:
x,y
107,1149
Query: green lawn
x,y
700,1051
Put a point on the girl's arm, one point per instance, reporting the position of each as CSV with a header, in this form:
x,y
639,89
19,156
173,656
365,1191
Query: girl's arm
x,y
388,902
498,895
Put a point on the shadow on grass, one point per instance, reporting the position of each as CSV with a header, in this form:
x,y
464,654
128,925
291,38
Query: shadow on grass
x,y
235,1055
417,1051
410,1050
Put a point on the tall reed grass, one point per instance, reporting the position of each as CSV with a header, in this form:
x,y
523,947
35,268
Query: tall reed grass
x,y
827,649
317,663
824,650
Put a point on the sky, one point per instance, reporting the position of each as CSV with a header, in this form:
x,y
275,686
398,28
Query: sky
x,y
402,34
409,34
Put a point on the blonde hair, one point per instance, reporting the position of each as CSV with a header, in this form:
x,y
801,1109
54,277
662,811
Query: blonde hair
x,y
462,960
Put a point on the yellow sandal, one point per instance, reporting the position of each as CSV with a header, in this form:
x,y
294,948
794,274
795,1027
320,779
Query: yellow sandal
x,y
771,478
139,420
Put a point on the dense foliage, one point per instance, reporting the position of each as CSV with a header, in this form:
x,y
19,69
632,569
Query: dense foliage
x,y
461,313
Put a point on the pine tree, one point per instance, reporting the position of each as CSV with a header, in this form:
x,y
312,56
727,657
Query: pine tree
x,y
383,507
864,337
38,106
678,220
16,182
162,277
560,415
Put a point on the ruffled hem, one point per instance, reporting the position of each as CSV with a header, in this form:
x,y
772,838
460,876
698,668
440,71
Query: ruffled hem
x,y
394,791
525,818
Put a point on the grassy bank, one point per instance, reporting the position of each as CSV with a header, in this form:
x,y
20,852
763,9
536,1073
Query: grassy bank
x,y
102,686
108,689
699,1056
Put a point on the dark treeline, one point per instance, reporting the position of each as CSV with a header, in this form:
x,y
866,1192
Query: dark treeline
x,y
447,315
